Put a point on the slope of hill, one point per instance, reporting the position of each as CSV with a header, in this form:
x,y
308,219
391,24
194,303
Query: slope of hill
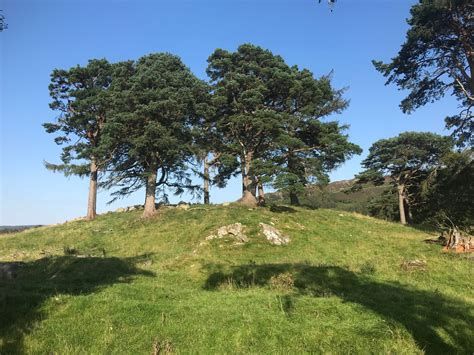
x,y
120,284
334,195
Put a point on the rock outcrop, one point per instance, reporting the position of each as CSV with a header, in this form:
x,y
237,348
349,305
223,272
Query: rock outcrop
x,y
234,231
273,235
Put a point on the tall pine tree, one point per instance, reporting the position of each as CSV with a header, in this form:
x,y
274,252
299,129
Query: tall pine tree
x,y
81,96
157,101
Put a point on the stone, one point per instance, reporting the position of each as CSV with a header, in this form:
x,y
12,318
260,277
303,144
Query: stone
x,y
414,264
10,270
273,235
226,204
183,206
121,209
235,231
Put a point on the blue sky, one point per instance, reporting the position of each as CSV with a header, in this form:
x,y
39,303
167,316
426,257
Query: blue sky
x,y
48,34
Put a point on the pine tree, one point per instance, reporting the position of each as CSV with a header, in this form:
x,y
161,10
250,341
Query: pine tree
x,y
436,59
307,148
81,95
157,101
249,87
405,160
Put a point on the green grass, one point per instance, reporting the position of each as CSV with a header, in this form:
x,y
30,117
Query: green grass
x,y
336,288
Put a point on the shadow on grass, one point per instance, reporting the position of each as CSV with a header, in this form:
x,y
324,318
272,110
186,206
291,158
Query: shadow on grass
x,y
420,312
281,209
21,298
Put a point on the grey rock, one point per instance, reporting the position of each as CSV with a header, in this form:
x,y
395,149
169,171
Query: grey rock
x,y
235,231
273,235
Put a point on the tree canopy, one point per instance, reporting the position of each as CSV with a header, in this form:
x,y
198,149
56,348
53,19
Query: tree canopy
x,y
81,96
158,101
436,59
268,114
405,160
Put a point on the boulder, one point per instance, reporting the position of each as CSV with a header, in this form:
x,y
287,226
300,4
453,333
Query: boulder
x,y
183,206
235,231
273,235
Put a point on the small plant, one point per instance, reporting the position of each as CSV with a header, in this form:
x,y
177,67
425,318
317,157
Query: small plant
x,y
368,268
70,251
162,347
284,282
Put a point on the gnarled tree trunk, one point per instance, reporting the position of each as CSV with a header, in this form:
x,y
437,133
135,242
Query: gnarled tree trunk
x,y
294,200
401,203
92,200
248,186
206,181
459,242
150,194
261,194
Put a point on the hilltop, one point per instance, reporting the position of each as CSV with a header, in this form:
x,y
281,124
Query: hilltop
x,y
121,284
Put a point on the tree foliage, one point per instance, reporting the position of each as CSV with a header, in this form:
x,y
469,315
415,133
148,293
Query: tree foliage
x,y
158,102
436,59
447,197
269,115
406,160
81,96
249,87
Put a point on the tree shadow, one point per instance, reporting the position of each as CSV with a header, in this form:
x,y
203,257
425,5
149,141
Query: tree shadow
x,y
281,209
421,312
21,297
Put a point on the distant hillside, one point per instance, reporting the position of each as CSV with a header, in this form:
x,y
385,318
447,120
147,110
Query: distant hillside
x,y
335,195
15,229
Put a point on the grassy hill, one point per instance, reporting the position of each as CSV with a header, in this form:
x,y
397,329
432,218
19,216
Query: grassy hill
x,y
135,286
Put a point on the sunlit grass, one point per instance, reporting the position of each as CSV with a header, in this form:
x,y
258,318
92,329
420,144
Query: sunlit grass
x,y
336,288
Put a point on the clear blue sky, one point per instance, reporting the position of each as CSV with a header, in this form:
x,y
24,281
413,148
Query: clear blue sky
x,y
47,34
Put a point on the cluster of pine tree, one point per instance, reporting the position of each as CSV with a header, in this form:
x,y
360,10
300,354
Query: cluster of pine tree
x,y
152,123
429,181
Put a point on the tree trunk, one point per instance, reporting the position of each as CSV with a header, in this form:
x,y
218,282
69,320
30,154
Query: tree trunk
x,y
294,200
248,198
408,212
401,203
206,181
455,240
261,194
150,194
92,200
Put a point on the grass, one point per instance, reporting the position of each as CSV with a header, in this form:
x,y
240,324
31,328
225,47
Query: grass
x,y
123,285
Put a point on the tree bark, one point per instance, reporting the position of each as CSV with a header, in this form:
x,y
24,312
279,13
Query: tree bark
x,y
248,188
150,194
261,194
401,203
292,167
206,181
92,200
294,200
